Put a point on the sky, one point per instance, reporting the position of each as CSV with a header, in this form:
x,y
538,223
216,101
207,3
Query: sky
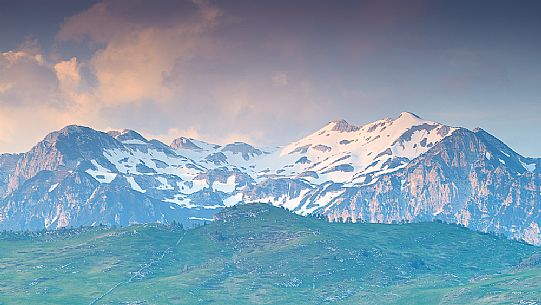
x,y
267,72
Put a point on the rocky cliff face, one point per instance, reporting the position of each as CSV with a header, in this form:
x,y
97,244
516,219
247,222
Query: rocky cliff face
x,y
79,200
67,180
464,179
8,162
393,170
61,151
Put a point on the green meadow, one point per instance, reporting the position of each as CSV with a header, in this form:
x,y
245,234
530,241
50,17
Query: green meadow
x,y
259,254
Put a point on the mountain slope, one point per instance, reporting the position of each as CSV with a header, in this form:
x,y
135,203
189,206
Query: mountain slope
x,y
8,162
259,254
345,153
393,170
79,176
465,180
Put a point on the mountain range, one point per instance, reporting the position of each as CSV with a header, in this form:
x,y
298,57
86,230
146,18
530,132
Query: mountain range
x,y
405,169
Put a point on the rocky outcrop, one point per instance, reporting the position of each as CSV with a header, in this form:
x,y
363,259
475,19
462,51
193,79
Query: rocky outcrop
x,y
62,151
8,162
465,179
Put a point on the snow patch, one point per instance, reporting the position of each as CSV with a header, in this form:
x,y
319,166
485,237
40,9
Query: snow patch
x,y
53,187
134,185
101,174
164,184
232,200
134,141
181,201
227,187
529,167
201,218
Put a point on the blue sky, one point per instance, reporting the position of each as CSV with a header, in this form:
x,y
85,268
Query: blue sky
x,y
267,72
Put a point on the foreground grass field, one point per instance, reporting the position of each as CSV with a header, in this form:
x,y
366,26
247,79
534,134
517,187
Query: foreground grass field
x,y
259,254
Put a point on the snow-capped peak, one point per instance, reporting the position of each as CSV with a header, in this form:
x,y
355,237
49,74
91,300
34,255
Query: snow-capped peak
x,y
341,126
128,136
407,119
347,153
411,115
184,143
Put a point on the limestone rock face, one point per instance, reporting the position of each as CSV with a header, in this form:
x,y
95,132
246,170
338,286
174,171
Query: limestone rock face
x,y
465,179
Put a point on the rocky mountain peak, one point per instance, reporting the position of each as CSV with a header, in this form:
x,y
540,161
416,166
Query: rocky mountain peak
x,y
246,150
184,143
343,126
67,131
127,135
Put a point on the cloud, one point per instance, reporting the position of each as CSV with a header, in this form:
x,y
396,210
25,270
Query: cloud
x,y
170,69
138,57
135,59
96,23
21,127
164,71
25,78
38,96
159,76
68,74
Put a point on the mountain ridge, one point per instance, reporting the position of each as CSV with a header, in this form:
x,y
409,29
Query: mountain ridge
x,y
405,169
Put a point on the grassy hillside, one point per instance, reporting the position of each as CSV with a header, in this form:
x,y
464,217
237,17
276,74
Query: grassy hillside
x,y
259,254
